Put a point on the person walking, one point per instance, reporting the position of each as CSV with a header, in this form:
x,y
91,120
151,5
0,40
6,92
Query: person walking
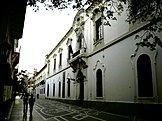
x,y
31,103
25,103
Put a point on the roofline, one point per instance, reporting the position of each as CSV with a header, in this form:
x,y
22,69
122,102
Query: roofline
x,y
41,69
69,32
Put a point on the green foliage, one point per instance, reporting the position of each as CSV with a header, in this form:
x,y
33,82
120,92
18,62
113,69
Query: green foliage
x,y
150,36
22,76
147,10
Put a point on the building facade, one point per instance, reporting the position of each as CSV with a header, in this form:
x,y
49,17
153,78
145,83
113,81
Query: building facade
x,y
40,79
97,64
11,29
31,82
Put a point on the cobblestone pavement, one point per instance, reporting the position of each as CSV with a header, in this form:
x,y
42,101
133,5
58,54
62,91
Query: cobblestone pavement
x,y
51,110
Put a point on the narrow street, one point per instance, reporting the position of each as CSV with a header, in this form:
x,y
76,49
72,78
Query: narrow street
x,y
50,110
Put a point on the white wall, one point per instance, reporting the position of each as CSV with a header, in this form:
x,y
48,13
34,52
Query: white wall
x,y
119,70
118,27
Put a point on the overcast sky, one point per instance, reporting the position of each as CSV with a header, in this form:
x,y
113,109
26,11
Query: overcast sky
x,y
42,31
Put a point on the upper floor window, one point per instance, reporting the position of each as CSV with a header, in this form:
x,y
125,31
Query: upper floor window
x,y
70,51
54,62
98,29
60,62
60,57
79,41
54,65
48,63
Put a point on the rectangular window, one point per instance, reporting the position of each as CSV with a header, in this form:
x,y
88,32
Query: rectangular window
x,y
80,41
48,68
68,88
98,29
54,66
60,63
70,51
59,93
53,89
47,89
63,86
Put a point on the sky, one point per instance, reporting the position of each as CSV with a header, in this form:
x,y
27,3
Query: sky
x,y
42,31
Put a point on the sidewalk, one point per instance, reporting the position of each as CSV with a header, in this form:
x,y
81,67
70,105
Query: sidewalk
x,y
17,112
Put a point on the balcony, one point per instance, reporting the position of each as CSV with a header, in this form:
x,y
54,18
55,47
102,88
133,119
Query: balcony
x,y
81,53
79,60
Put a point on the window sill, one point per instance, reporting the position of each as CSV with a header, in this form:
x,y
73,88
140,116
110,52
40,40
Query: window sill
x,y
145,98
99,97
97,42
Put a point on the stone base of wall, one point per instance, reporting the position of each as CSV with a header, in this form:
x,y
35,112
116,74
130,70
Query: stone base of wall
x,y
149,112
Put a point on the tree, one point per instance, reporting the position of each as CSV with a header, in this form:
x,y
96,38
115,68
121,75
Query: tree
x,y
21,85
139,10
150,10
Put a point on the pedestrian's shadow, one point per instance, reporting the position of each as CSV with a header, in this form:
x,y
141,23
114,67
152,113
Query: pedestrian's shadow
x,y
25,117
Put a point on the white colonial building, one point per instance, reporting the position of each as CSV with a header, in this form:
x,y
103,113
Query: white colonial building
x,y
102,64
40,79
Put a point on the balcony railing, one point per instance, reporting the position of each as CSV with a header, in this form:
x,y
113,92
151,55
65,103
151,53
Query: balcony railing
x,y
81,52
79,57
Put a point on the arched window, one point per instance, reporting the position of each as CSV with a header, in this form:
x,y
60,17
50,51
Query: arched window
x,y
145,86
99,86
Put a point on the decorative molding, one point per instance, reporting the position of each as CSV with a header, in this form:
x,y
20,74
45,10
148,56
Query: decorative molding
x,y
48,61
69,77
143,49
69,41
60,50
59,79
100,65
98,62
155,55
54,55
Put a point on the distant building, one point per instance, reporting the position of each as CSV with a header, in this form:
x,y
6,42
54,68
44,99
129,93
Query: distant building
x,y
31,83
40,79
